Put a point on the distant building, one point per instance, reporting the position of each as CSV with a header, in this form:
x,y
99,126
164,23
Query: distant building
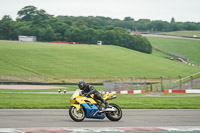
x,y
27,38
99,42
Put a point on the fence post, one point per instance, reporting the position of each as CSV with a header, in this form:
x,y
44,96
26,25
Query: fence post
x,y
191,82
131,83
145,85
151,87
169,83
162,88
140,87
180,82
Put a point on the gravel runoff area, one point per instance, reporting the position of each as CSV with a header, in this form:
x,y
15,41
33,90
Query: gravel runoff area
x,y
29,87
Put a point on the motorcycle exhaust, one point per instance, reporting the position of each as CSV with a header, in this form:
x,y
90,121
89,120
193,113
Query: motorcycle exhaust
x,y
109,110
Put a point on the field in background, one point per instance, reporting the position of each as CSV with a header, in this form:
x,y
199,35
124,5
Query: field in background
x,y
85,61
184,33
185,48
70,63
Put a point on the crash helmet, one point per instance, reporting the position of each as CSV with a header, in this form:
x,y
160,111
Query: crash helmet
x,y
82,84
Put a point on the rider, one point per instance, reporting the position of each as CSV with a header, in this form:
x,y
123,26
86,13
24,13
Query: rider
x,y
89,89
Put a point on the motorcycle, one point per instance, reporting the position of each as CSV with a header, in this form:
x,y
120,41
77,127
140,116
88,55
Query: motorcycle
x,y
87,107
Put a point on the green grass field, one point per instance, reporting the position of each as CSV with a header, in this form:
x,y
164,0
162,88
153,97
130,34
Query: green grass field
x,y
130,101
186,48
92,61
82,61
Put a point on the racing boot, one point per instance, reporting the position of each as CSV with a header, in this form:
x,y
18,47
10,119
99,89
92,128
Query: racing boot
x,y
106,105
100,107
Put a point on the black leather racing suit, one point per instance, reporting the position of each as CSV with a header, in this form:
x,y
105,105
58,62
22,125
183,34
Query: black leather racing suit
x,y
91,90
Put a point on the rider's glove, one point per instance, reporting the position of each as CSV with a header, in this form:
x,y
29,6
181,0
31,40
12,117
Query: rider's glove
x,y
85,94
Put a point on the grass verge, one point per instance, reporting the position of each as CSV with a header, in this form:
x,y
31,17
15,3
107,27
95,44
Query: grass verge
x,y
163,102
130,101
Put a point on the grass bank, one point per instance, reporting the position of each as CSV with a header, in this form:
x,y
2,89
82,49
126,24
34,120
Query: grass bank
x,y
82,61
185,48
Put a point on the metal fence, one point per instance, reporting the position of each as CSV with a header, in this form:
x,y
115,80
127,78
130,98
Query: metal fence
x,y
129,84
189,82
157,84
117,84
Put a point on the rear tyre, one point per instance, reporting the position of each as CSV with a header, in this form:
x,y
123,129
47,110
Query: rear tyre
x,y
77,115
114,116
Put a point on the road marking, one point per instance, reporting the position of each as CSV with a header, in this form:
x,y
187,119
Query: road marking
x,y
182,91
97,129
124,92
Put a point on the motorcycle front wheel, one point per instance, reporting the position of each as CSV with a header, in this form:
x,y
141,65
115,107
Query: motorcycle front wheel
x,y
114,116
77,115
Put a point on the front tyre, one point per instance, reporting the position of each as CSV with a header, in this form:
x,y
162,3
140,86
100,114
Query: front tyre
x,y
77,115
114,116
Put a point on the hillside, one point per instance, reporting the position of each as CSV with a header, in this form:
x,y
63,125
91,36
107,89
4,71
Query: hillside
x,y
64,60
185,48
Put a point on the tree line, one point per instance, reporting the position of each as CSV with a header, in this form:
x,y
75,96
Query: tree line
x,y
32,21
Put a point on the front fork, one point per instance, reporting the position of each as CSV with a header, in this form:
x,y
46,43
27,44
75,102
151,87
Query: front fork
x,y
77,106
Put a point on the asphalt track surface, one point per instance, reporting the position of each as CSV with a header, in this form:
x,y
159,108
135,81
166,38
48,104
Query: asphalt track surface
x,y
31,118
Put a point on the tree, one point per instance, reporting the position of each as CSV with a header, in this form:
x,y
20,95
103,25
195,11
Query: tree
x,y
172,20
30,13
46,34
6,28
159,25
27,13
128,19
23,28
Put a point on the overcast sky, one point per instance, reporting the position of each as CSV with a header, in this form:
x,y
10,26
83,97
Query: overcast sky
x,y
181,10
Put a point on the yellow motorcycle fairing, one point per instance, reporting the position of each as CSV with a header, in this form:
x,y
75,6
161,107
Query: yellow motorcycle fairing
x,y
76,100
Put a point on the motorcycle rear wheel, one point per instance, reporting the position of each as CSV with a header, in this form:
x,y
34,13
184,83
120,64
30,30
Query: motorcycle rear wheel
x,y
114,116
77,115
